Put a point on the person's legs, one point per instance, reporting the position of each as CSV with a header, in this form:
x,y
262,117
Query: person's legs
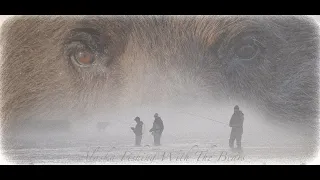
x,y
232,138
231,142
138,140
239,137
157,139
154,138
238,141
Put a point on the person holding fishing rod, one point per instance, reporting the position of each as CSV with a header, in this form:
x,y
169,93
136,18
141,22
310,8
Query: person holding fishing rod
x,y
138,131
236,123
157,129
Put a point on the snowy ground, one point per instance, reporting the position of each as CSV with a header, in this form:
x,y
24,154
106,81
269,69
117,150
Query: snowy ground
x,y
181,152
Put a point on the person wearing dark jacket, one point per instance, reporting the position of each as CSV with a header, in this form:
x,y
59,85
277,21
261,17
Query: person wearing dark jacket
x,y
138,131
157,129
236,123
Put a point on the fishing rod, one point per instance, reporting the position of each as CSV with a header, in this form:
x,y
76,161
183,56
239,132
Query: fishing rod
x,y
204,118
200,116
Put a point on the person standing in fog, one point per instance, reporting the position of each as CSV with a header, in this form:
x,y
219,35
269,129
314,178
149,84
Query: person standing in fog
x,y
157,129
236,123
138,131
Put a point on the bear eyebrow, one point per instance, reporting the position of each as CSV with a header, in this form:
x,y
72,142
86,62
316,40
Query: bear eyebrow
x,y
90,36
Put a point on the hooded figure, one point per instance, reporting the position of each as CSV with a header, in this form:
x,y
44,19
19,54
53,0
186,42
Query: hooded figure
x,y
157,129
236,123
138,131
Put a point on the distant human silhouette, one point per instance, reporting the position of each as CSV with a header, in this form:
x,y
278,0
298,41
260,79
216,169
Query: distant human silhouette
x,y
138,131
157,129
236,123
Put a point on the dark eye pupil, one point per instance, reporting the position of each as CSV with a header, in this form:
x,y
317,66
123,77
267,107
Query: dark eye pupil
x,y
246,52
84,57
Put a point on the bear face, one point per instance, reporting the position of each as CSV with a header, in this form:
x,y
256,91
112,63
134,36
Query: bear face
x,y
55,66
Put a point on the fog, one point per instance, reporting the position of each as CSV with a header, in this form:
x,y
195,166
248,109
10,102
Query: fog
x,y
205,124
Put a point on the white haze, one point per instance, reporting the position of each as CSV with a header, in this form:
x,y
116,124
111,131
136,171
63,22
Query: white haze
x,y
185,126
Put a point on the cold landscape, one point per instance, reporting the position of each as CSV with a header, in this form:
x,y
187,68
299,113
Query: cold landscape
x,y
191,136
159,89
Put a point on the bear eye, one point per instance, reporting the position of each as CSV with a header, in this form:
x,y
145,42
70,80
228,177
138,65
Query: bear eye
x,y
80,54
244,48
247,51
83,46
83,58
